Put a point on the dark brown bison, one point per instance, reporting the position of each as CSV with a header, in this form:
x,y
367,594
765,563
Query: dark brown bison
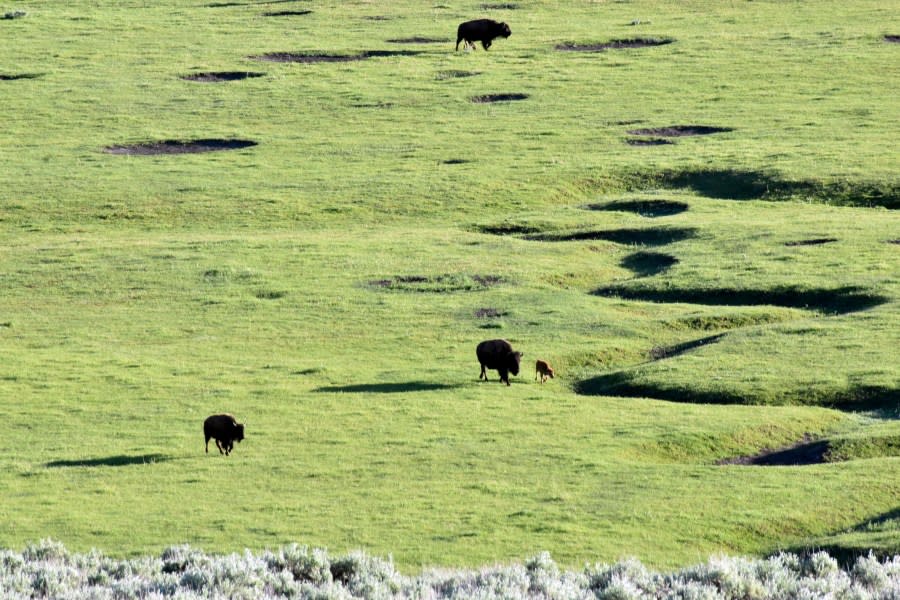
x,y
225,430
480,30
499,355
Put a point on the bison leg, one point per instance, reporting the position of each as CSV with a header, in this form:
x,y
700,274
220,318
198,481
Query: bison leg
x,y
207,444
483,373
485,44
219,446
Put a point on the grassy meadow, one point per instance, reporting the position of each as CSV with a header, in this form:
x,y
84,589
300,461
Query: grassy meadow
x,y
701,297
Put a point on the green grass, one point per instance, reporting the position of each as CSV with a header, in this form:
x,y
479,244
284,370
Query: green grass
x,y
328,286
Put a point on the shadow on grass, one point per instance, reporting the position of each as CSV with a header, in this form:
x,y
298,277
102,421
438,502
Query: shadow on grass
x,y
662,352
622,384
841,300
121,460
645,208
387,388
729,184
654,236
646,264
847,554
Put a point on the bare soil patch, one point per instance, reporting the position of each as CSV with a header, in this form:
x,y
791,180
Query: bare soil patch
x,y
419,40
805,452
442,75
489,313
221,76
489,98
812,242
680,130
614,45
648,142
320,57
180,147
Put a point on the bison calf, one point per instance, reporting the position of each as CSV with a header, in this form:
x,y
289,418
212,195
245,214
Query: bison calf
x,y
481,30
544,368
225,430
498,355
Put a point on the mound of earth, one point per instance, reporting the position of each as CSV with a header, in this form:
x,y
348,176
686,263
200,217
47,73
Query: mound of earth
x,y
180,147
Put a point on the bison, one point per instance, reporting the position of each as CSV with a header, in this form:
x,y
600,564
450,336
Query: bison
x,y
480,30
225,430
544,368
498,355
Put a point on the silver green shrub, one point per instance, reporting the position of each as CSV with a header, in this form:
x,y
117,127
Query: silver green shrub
x,y
47,570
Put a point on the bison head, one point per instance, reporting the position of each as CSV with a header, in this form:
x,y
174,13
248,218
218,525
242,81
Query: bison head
x,y
512,362
238,432
504,30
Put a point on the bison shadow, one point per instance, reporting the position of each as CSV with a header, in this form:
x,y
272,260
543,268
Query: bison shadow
x,y
387,388
120,460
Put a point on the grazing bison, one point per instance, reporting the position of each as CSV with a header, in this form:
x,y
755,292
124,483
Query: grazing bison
x,y
499,355
544,368
225,430
480,30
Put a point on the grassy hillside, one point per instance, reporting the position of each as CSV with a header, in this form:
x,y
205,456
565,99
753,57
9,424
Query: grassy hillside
x,y
702,297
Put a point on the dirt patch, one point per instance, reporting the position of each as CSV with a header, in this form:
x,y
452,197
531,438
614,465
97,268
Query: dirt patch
x,y
614,45
489,313
180,147
644,208
319,57
680,130
488,98
503,6
443,75
893,39
221,76
805,452
812,242
287,13
419,40
648,142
